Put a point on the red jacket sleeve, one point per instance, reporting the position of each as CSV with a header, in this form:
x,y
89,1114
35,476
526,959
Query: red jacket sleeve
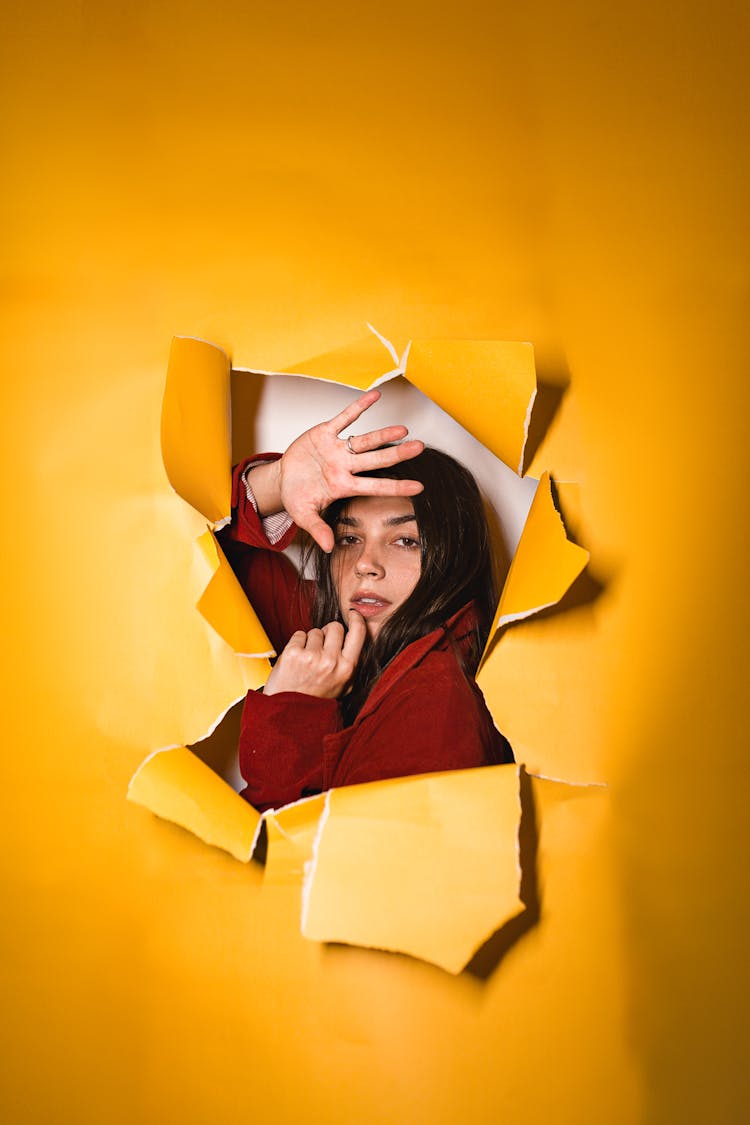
x,y
281,735
281,746
246,526
270,581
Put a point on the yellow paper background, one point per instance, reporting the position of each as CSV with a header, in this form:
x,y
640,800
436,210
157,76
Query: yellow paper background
x,y
572,176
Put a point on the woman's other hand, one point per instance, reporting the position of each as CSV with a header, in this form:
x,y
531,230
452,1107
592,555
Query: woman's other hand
x,y
320,662
318,468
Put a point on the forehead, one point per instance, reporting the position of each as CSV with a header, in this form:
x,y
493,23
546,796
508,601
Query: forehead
x,y
377,509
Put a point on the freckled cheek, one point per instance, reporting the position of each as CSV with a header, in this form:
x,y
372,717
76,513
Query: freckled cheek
x,y
408,577
342,572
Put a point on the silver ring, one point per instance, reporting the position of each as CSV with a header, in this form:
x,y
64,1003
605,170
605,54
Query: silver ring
x,y
349,446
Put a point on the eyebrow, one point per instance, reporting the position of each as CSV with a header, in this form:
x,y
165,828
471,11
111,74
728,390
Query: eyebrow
x,y
392,521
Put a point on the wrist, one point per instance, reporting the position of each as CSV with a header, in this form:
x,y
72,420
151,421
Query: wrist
x,y
265,482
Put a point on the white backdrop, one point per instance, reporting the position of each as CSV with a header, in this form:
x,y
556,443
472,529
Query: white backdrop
x,y
289,404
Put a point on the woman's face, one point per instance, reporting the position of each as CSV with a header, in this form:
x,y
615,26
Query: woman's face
x,y
376,559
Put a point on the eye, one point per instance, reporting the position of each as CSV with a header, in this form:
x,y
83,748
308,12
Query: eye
x,y
346,540
407,541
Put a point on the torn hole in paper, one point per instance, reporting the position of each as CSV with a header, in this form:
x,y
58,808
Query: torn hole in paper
x,y
176,784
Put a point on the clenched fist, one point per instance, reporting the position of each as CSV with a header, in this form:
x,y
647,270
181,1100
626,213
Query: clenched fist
x,y
320,662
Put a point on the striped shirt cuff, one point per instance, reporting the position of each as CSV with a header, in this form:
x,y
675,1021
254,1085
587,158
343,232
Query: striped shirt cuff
x,y
276,526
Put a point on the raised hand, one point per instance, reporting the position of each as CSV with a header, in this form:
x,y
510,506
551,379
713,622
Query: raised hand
x,y
318,467
320,662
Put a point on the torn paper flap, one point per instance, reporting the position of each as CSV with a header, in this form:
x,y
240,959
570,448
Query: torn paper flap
x,y
177,786
291,836
196,439
362,364
225,607
488,386
425,865
545,565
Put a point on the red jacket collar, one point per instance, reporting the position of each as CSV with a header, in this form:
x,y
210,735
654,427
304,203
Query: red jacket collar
x,y
457,634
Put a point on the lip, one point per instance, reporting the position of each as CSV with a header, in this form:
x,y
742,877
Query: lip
x,y
368,603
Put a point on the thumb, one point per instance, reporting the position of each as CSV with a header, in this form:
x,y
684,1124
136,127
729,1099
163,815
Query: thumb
x,y
320,532
355,636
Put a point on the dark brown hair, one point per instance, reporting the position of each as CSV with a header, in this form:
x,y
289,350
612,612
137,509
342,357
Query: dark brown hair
x,y
456,567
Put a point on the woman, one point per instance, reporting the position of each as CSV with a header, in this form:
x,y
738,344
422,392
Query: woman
x,y
401,557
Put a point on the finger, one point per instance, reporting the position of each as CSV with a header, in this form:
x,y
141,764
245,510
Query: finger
x,y
355,636
333,634
314,640
297,640
384,458
352,412
361,443
320,532
384,486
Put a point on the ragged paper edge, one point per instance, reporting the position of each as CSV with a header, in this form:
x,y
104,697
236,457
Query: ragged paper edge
x,y
276,814
526,425
161,804
235,620
564,781
510,618
543,514
162,793
312,863
453,964
376,381
202,738
322,379
454,967
159,809
431,366
386,343
199,476
519,872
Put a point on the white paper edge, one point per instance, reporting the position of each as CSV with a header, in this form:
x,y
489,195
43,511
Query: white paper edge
x,y
526,424
386,343
311,864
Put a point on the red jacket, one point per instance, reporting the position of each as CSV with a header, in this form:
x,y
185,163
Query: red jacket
x,y
423,715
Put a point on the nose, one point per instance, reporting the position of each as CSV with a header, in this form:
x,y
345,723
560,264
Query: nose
x,y
368,565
